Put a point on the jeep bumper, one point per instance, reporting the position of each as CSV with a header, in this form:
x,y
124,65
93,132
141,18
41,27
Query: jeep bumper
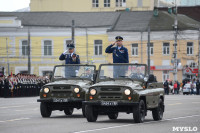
x,y
61,104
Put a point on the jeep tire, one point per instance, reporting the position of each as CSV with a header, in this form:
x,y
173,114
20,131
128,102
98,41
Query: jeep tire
x,y
90,114
45,110
113,116
157,113
139,112
69,111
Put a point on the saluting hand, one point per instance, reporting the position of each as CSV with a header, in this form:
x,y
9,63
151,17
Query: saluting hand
x,y
114,43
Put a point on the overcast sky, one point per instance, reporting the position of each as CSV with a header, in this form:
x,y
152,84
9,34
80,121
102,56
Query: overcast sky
x,y
13,5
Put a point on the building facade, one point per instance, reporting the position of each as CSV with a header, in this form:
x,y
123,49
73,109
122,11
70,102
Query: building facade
x,y
91,5
48,39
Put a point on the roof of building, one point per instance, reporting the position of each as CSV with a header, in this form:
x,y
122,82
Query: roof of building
x,y
64,19
117,21
190,11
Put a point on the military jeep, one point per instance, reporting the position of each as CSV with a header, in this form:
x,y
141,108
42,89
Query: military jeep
x,y
124,88
67,89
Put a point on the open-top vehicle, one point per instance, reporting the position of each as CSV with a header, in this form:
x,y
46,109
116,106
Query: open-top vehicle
x,y
67,89
124,88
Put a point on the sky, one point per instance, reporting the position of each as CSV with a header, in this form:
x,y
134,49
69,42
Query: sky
x,y
13,5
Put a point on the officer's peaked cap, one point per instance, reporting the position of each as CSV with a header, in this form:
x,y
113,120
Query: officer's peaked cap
x,y
119,38
70,45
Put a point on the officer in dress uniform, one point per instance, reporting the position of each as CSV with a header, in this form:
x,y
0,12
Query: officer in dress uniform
x,y
120,55
70,58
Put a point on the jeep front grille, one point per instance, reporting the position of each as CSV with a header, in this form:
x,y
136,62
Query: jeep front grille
x,y
61,94
110,88
61,87
114,95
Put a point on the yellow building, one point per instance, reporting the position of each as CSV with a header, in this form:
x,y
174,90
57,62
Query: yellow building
x,y
91,5
94,31
49,38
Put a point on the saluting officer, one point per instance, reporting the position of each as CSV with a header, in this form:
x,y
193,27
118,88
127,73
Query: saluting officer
x,y
120,53
70,58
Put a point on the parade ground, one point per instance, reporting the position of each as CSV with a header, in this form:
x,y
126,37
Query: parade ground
x,y
22,115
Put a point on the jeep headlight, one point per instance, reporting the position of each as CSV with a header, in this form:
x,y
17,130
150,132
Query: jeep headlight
x,y
46,90
76,90
127,92
93,92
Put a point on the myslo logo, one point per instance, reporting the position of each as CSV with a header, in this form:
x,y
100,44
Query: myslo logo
x,y
184,129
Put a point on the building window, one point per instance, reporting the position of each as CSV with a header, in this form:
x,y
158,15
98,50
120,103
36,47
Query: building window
x,y
190,48
106,3
98,47
25,47
166,48
47,48
95,3
135,49
151,49
120,3
140,3
165,75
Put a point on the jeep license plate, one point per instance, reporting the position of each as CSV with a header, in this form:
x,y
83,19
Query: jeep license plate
x,y
60,100
104,103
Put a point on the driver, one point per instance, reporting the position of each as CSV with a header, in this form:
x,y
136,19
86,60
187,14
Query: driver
x,y
88,73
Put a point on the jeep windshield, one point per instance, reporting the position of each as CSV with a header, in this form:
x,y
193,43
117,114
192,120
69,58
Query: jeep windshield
x,y
122,71
82,72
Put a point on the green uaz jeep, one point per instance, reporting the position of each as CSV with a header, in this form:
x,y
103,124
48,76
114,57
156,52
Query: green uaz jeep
x,y
67,89
124,88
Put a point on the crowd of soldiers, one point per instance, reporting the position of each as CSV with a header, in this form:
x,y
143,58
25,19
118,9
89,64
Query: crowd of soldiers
x,y
21,85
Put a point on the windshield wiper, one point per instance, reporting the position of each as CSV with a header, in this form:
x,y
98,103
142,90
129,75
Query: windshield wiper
x,y
77,77
105,77
126,77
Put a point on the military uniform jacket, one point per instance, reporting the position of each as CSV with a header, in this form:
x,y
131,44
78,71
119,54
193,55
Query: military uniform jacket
x,y
119,55
68,59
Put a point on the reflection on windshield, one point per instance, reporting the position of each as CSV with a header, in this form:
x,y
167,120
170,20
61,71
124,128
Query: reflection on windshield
x,y
82,72
122,71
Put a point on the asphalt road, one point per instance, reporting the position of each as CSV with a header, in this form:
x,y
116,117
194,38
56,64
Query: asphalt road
x,y
22,115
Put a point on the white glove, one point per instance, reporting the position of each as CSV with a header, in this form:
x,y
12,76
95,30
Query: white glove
x,y
65,52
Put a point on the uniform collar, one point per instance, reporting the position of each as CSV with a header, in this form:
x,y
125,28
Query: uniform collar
x,y
120,47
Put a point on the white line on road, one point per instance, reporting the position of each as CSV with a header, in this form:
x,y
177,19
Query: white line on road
x,y
11,107
175,104
19,119
28,109
106,128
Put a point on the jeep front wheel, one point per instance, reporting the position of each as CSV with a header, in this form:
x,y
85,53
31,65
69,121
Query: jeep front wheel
x,y
90,114
113,116
139,112
45,110
157,113
69,111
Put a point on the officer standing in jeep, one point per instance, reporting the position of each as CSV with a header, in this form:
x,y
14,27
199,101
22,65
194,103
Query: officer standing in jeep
x,y
120,55
70,58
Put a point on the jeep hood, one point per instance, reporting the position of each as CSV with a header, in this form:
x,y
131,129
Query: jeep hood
x,y
69,82
118,83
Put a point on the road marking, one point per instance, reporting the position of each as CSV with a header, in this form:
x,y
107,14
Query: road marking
x,y
19,119
11,107
175,104
106,128
28,109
